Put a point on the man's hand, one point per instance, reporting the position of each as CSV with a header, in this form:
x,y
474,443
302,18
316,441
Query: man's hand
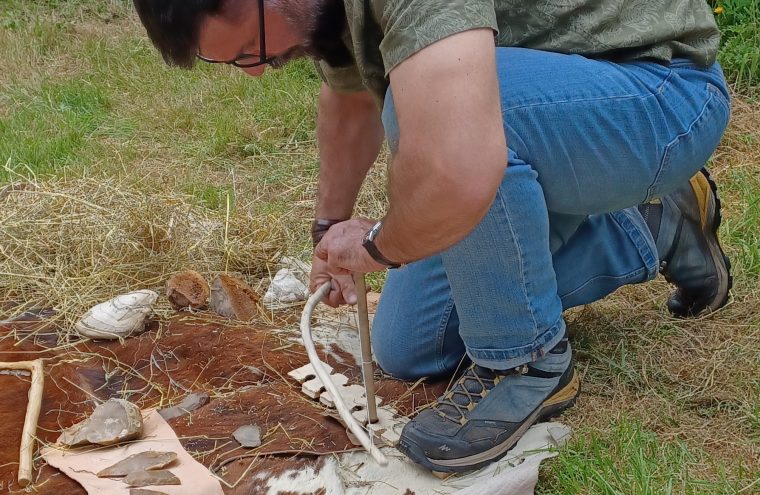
x,y
340,254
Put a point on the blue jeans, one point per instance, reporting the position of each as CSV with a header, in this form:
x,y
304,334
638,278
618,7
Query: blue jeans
x,y
588,140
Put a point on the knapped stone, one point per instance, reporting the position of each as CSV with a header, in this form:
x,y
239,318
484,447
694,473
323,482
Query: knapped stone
x,y
144,461
248,436
112,422
143,491
187,289
285,289
233,298
152,478
188,405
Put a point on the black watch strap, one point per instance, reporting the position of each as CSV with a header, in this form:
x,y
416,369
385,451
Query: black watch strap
x,y
369,245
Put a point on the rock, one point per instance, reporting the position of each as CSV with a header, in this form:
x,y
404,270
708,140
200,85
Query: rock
x,y
248,436
120,317
188,404
187,289
142,491
112,422
286,288
151,478
144,461
299,268
233,298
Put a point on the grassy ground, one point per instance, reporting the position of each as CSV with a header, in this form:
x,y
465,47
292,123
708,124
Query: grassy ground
x,y
87,108
739,21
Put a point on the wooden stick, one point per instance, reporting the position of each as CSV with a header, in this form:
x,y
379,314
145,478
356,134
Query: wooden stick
x,y
25,464
368,372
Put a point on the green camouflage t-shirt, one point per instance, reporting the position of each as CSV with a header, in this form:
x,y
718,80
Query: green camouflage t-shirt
x,y
383,33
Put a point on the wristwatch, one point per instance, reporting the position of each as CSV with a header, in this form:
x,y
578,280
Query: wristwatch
x,y
369,245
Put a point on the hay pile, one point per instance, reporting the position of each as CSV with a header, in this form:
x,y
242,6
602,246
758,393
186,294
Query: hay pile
x,y
68,244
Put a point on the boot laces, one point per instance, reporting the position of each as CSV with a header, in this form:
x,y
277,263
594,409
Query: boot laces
x,y
473,386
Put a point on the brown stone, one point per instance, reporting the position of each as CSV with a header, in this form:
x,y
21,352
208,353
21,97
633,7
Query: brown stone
x,y
112,422
187,289
233,298
144,461
151,478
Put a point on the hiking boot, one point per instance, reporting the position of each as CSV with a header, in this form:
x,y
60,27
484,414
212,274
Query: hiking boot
x,y
685,225
486,412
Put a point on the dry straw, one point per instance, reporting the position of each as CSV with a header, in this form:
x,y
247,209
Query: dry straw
x,y
69,244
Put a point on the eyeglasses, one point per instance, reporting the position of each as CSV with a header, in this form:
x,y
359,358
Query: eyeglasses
x,y
247,60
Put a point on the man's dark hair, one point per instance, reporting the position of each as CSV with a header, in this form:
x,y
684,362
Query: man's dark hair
x,y
174,26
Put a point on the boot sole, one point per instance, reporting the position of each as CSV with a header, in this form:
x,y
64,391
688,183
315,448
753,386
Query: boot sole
x,y
553,406
711,219
727,281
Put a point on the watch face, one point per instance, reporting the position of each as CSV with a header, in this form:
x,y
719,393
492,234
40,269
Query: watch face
x,y
374,231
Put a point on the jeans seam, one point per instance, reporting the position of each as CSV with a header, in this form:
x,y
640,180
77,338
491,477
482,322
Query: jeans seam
x,y
580,100
630,275
679,139
441,333
658,91
520,257
661,87
720,95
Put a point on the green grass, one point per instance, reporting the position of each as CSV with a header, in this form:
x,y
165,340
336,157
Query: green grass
x,y
740,47
630,459
55,125
668,406
741,231
104,92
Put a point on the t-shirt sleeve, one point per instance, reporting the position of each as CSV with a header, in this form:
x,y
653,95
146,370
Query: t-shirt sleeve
x,y
341,79
411,25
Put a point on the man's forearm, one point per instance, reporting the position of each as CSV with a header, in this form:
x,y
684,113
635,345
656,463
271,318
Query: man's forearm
x,y
349,133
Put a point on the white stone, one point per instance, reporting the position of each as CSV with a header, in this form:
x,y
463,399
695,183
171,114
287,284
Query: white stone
x,y
299,268
285,289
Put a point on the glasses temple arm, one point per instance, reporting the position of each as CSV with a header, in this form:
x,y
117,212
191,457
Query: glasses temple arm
x,y
262,34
